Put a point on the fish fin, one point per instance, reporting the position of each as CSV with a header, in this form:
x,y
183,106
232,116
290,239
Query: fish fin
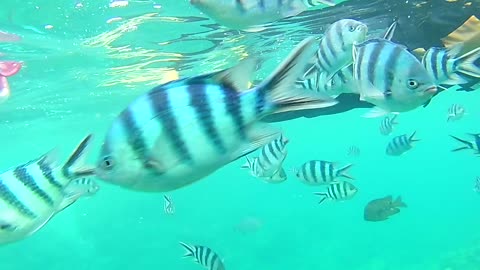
x,y
237,77
343,172
190,250
75,166
323,196
399,203
468,145
412,137
390,31
278,88
76,189
419,53
393,120
375,112
465,32
466,63
247,164
314,3
256,28
455,79
259,135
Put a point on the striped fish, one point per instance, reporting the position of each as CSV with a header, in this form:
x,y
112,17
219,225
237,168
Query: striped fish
x,y
320,172
82,187
31,193
257,171
247,14
390,77
203,256
455,112
340,191
476,188
386,126
400,144
446,68
473,145
182,131
168,206
272,155
335,49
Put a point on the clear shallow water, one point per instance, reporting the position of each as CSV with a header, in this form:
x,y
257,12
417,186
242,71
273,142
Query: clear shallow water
x,y
71,86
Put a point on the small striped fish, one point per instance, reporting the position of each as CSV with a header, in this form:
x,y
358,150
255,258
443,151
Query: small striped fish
x,y
31,193
246,14
168,206
400,144
335,49
257,171
272,156
182,131
390,77
204,256
448,69
387,124
473,145
320,172
455,112
340,191
82,187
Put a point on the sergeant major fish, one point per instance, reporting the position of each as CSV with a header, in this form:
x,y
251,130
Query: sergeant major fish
x,y
184,130
81,187
455,112
400,144
387,124
247,14
340,191
320,172
257,171
390,77
32,193
272,156
168,206
204,256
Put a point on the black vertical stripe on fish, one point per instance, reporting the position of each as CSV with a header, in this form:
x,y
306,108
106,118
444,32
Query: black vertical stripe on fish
x,y
272,150
331,47
338,30
330,172
160,103
313,171
433,62
390,68
342,77
234,109
134,135
207,256
323,170
23,176
373,60
10,198
260,100
324,57
47,172
444,63
360,51
199,102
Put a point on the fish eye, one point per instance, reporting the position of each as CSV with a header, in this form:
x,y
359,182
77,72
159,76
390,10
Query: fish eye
x,y
351,28
412,84
107,163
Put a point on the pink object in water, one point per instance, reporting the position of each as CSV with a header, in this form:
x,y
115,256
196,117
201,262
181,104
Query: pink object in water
x,y
7,37
4,89
9,68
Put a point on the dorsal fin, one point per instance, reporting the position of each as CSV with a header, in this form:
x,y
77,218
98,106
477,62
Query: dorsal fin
x,y
237,77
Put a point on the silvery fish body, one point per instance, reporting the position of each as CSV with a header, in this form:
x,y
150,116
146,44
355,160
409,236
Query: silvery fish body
x,y
249,13
182,131
320,172
32,193
335,49
341,82
390,77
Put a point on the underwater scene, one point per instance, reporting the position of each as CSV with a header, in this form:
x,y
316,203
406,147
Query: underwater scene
x,y
240,134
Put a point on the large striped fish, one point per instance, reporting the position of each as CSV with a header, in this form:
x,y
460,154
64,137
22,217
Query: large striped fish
x,y
247,14
390,77
182,131
31,193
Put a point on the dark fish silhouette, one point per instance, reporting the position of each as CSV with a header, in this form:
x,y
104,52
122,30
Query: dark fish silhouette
x,y
381,209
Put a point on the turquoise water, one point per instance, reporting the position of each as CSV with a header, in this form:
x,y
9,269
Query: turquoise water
x,y
77,78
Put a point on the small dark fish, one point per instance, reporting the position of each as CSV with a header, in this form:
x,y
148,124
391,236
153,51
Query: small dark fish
x,y
381,209
204,256
473,145
168,206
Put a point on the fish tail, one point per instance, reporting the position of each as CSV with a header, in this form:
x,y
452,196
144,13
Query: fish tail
x,y
247,164
393,121
190,251
344,172
75,166
466,63
278,89
399,203
468,145
412,137
323,196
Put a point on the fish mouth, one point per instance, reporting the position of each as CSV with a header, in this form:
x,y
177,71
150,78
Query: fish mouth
x,y
431,90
